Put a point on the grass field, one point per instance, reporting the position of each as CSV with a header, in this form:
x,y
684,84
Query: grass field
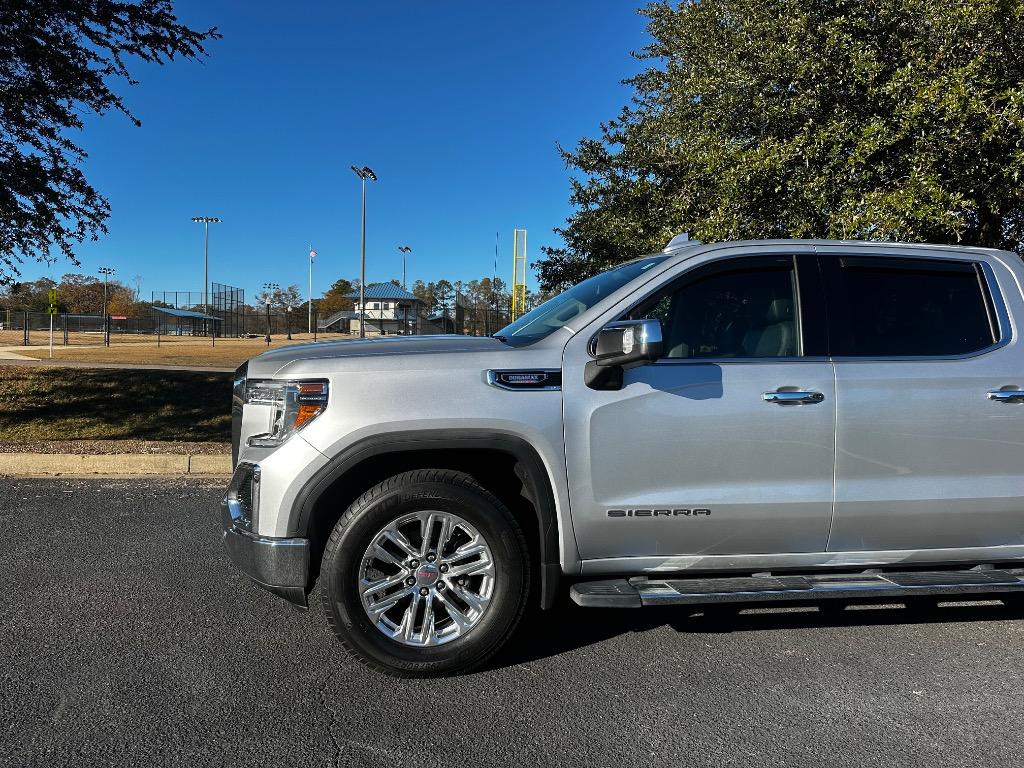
x,y
38,404
177,350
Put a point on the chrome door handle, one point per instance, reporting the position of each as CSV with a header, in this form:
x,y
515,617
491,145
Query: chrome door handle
x,y
792,398
1007,395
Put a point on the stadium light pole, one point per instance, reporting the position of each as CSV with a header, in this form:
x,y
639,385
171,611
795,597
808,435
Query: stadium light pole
x,y
269,289
365,173
206,221
312,256
406,250
106,272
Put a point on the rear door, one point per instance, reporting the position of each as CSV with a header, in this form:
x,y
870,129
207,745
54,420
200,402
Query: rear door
x,y
926,457
724,446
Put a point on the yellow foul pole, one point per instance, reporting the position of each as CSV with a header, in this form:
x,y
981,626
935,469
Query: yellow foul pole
x,y
518,272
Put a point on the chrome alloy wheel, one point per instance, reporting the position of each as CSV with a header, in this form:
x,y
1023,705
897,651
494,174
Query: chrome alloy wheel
x,y
427,578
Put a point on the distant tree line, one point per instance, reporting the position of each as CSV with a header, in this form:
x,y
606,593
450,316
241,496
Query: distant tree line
x,y
77,294
485,303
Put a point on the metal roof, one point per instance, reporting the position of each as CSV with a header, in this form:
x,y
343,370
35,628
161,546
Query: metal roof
x,y
186,313
387,291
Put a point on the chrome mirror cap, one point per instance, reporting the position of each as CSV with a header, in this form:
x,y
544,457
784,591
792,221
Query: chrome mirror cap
x,y
628,343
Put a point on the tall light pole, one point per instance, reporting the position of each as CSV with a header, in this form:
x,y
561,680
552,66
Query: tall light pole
x,y
269,289
406,250
106,272
365,174
312,255
206,221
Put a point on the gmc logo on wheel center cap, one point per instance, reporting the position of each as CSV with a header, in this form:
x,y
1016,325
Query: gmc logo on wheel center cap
x,y
426,574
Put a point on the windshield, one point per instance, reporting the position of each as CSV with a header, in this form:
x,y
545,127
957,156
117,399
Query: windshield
x,y
554,313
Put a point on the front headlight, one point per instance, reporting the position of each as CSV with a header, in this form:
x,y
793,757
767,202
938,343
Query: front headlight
x,y
291,406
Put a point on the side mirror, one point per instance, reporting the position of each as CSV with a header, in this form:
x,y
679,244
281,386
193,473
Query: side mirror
x,y
622,345
628,343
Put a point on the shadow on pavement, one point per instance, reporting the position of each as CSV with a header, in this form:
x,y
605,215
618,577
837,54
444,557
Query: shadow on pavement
x,y
568,627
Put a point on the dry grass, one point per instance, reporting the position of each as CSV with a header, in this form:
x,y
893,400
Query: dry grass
x,y
42,338
179,350
108,404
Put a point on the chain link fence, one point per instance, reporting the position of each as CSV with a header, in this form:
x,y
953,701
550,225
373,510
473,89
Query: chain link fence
x,y
25,328
179,317
459,315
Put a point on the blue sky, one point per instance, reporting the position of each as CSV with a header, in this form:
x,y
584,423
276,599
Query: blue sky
x,y
457,106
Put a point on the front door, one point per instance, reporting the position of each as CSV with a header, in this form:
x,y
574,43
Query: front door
x,y
724,446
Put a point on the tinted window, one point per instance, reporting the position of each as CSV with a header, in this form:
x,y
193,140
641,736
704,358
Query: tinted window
x,y
895,307
742,312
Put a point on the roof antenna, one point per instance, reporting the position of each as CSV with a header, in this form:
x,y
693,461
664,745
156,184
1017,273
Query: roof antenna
x,y
680,241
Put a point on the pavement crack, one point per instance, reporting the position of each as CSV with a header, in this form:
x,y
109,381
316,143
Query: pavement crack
x,y
334,723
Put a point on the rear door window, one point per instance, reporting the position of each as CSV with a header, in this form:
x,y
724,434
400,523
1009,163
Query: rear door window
x,y
896,307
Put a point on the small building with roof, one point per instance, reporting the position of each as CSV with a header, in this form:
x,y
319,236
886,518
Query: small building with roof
x,y
184,322
388,309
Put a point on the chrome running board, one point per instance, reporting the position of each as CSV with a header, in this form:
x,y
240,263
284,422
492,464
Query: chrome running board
x,y
642,592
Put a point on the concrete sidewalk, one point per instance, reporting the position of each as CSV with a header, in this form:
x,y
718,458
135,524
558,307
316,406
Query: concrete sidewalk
x,y
12,358
7,354
81,464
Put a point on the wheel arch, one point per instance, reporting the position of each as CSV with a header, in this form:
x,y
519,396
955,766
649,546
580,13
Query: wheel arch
x,y
490,457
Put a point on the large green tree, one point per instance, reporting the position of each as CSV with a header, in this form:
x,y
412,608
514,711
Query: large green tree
x,y
876,119
59,62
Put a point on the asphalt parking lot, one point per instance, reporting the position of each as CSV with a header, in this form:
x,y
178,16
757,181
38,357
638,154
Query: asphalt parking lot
x,y
128,639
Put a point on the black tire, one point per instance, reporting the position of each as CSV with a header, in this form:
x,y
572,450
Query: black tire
x,y
424,489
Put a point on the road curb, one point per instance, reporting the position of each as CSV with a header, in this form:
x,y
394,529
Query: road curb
x,y
113,464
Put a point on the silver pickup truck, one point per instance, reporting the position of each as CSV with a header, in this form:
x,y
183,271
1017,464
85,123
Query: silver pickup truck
x,y
732,422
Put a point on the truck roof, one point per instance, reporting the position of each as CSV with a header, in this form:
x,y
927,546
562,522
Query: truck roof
x,y
682,242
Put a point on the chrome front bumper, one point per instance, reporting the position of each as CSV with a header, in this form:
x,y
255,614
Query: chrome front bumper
x,y
279,565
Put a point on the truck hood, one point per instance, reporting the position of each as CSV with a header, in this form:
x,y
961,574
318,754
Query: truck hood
x,y
270,362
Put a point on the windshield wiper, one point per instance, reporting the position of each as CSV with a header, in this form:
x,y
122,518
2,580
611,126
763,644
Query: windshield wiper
x,y
499,337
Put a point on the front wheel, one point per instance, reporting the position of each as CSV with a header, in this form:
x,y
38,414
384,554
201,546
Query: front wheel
x,y
426,574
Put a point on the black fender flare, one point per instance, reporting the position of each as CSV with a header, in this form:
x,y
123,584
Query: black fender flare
x,y
532,473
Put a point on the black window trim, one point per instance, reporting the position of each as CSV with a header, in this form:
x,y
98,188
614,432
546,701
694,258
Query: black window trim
x,y
905,264
832,263
755,261
998,333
